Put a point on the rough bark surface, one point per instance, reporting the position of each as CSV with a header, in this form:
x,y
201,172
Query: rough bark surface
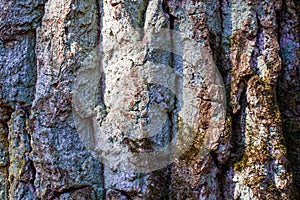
x,y
43,47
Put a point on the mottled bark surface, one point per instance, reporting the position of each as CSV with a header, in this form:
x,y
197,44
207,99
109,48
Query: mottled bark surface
x,y
43,47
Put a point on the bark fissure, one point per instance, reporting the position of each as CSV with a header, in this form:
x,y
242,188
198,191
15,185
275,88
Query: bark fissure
x,y
288,83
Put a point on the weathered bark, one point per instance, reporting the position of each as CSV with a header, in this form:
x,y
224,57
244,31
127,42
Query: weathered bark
x,y
44,46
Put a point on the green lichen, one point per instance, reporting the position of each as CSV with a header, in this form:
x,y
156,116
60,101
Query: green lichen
x,y
137,12
226,41
260,155
18,164
194,148
264,83
270,65
241,162
141,13
273,109
228,127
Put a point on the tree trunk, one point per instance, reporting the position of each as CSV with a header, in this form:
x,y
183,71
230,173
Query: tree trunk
x,y
149,99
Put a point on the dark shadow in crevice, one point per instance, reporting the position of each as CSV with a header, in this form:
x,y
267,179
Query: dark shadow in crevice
x,y
288,89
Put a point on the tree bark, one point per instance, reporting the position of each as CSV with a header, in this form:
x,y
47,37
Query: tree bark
x,y
68,66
